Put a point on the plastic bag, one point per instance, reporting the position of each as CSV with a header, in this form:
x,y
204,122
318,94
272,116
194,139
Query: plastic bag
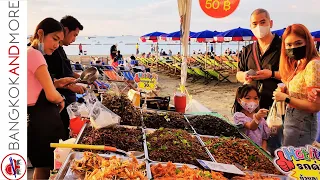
x,y
101,117
274,119
90,99
114,90
195,106
60,154
77,110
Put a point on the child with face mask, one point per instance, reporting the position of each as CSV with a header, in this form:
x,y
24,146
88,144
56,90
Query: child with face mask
x,y
246,112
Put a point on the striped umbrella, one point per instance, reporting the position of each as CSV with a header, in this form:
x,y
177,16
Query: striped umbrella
x,y
205,36
175,36
237,34
153,36
316,35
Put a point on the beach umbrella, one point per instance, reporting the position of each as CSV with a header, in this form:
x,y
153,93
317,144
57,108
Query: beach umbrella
x,y
184,7
205,36
175,36
237,34
151,36
279,32
316,35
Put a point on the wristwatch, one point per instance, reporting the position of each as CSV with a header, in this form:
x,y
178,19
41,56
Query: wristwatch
x,y
63,99
273,74
287,100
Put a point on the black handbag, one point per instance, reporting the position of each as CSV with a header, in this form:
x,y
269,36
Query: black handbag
x,y
161,103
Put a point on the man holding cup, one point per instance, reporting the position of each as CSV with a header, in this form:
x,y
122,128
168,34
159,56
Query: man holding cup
x,y
259,64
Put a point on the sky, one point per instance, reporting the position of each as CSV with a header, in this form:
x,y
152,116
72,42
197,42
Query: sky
x,y
139,17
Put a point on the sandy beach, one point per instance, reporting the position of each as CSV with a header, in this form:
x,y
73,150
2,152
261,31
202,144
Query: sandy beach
x,y
218,98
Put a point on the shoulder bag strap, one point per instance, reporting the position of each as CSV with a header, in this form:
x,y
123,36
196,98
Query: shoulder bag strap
x,y
254,49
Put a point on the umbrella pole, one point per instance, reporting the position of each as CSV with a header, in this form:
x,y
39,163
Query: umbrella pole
x,y
205,60
157,56
189,48
221,54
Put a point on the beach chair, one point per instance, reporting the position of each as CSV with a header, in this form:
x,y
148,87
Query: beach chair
x,y
127,75
121,62
133,62
218,75
114,77
201,73
101,85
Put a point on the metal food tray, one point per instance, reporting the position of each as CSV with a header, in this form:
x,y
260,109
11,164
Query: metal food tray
x,y
178,165
66,173
281,177
162,111
150,131
188,116
206,136
80,135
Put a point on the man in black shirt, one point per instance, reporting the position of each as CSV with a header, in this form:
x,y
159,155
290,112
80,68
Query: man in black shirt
x,y
113,52
59,66
267,50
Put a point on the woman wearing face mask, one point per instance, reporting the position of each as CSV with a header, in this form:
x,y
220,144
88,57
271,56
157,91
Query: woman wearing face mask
x,y
246,113
299,69
44,101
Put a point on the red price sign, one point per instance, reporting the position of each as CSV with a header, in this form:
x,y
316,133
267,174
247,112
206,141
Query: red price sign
x,y
219,8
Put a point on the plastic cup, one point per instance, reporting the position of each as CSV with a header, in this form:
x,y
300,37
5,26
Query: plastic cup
x,y
282,87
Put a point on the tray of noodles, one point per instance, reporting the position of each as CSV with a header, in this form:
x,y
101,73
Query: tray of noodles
x,y
88,165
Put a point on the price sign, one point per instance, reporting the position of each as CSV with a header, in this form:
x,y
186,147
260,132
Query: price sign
x,y
146,81
227,168
219,8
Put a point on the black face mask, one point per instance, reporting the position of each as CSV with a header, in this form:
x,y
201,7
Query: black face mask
x,y
296,53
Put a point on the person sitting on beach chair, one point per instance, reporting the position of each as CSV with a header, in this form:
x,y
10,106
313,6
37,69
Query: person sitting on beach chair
x,y
78,66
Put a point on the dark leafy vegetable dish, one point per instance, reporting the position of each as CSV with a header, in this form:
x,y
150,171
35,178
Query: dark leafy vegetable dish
x,y
173,145
123,107
214,126
123,138
172,120
239,151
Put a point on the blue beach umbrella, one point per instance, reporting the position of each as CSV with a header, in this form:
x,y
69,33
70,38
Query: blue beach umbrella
x,y
237,34
205,36
175,36
152,36
316,35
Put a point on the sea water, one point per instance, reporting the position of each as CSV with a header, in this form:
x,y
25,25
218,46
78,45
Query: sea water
x,y
100,45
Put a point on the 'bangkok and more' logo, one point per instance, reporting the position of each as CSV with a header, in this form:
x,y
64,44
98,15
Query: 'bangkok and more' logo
x,y
13,166
299,163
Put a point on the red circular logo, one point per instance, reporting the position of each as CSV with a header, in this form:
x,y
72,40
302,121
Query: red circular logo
x,y
219,8
13,166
